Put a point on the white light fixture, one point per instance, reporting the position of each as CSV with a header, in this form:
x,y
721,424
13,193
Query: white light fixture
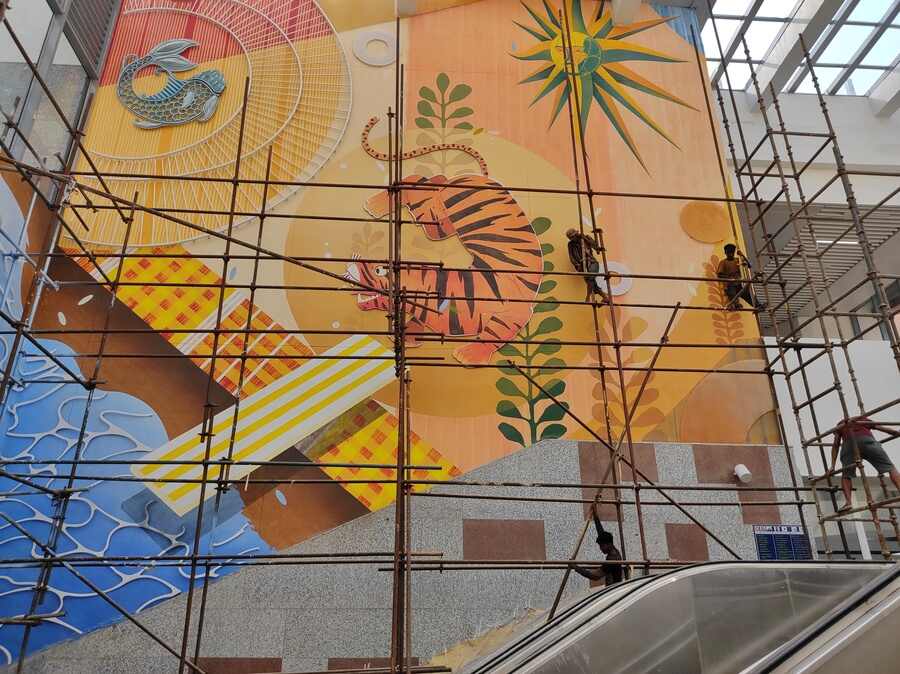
x,y
742,473
842,242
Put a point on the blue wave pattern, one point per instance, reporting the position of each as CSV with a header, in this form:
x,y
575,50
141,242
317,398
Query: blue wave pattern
x,y
40,425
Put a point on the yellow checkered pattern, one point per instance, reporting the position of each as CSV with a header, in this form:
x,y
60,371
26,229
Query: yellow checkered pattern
x,y
370,436
187,306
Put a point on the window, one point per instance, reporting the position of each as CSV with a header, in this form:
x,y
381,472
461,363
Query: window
x,y
870,306
30,21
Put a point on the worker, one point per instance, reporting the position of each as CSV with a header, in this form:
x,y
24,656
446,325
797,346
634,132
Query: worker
x,y
581,254
609,573
729,270
856,432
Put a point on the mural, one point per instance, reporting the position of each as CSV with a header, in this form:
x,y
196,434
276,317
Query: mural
x,y
303,369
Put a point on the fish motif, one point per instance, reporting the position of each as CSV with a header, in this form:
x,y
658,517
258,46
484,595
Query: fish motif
x,y
179,101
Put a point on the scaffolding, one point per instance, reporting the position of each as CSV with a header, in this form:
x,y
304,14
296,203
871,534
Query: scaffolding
x,y
624,484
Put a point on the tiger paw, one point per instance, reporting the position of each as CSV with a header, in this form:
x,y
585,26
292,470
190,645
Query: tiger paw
x,y
475,354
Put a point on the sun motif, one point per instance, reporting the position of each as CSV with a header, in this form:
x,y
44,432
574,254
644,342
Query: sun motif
x,y
599,51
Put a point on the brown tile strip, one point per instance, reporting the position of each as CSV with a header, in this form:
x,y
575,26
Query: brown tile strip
x,y
239,665
686,542
715,463
363,663
504,539
593,459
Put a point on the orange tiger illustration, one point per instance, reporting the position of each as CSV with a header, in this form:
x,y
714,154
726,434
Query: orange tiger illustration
x,y
493,228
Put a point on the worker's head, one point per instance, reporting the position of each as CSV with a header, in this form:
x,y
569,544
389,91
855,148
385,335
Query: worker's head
x,y
605,541
730,249
571,233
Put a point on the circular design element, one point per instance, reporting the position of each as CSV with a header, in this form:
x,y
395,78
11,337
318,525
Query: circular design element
x,y
383,57
615,269
705,222
298,105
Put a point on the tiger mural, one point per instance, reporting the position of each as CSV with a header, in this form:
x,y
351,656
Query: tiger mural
x,y
492,228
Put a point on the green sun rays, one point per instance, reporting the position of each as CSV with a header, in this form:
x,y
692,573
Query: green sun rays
x,y
601,78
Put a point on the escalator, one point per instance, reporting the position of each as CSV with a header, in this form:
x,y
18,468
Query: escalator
x,y
720,618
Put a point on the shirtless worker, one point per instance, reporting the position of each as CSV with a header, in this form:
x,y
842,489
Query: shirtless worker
x,y
729,271
858,431
581,254
609,573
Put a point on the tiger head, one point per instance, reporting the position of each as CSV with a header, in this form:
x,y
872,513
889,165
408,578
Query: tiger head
x,y
426,205
373,276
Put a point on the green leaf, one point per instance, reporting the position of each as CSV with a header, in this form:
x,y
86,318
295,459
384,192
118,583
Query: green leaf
x,y
550,304
549,324
506,387
510,350
554,387
554,413
460,91
505,408
443,82
549,266
423,123
460,112
510,433
549,347
546,248
552,366
509,370
547,286
540,225
464,125
553,431
428,94
424,108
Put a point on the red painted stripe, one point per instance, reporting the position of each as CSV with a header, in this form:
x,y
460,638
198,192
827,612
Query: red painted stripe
x,y
137,33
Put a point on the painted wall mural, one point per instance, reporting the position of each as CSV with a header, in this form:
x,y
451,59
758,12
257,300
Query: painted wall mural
x,y
486,104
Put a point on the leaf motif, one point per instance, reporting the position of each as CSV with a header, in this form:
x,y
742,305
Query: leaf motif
x,y
507,387
649,417
510,350
553,431
650,396
633,328
506,408
459,92
549,266
428,94
540,225
460,112
510,433
549,347
550,304
423,123
640,355
553,413
546,248
549,324
552,366
554,387
424,108
547,286
443,81
464,125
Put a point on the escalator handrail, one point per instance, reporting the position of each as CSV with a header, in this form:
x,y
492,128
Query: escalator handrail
x,y
542,630
790,648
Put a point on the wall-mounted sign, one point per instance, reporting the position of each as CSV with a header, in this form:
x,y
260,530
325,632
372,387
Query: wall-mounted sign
x,y
781,541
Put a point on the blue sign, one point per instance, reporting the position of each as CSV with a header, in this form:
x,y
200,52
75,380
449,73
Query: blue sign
x,y
781,542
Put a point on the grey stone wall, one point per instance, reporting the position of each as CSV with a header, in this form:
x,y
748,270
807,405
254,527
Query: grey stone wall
x,y
308,614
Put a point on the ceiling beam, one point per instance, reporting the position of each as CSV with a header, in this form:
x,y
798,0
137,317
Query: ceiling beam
x,y
810,20
885,96
865,48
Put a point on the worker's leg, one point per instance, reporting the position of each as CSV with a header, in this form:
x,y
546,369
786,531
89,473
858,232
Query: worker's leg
x,y
847,487
872,451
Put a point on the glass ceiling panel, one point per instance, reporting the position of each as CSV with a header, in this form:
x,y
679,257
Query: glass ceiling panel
x,y
834,51
870,10
845,44
885,51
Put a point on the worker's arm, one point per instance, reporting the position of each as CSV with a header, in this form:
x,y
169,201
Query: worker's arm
x,y
884,429
590,574
597,522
